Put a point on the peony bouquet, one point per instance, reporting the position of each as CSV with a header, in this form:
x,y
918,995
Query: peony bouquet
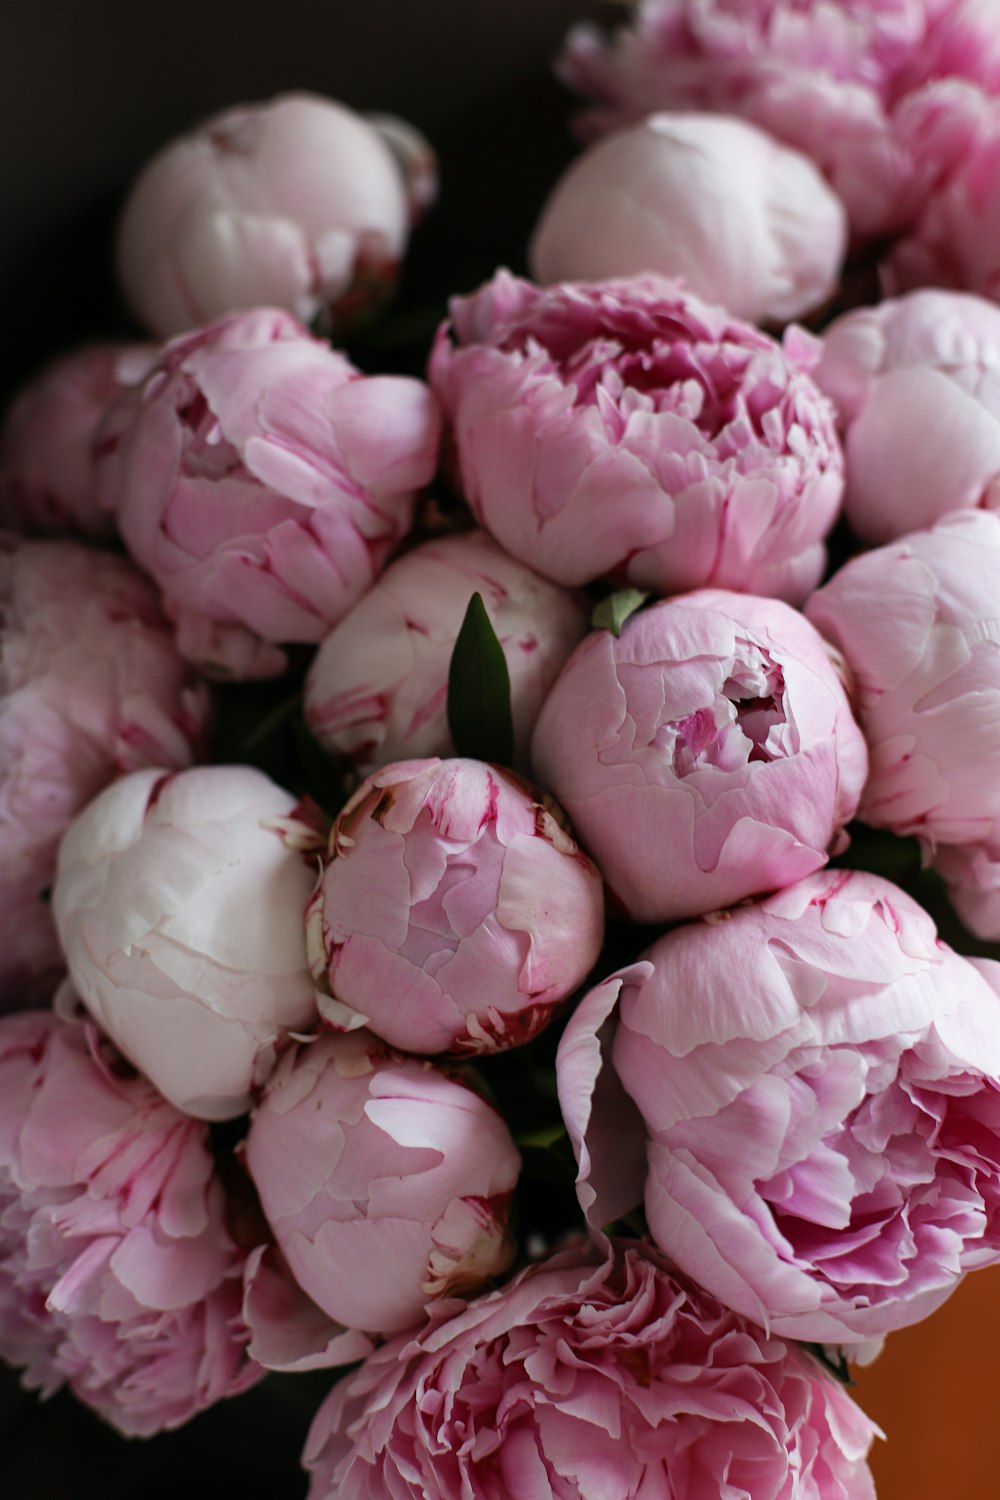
x,y
499,814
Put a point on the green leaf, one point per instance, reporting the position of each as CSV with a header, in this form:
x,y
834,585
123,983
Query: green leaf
x,y
613,611
544,1138
479,714
834,1363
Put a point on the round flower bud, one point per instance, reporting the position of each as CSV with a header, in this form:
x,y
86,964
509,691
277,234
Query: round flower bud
x,y
386,1181
48,478
625,428
378,688
741,219
816,1079
915,382
501,1397
262,481
118,1276
706,754
180,907
916,623
296,203
454,912
91,686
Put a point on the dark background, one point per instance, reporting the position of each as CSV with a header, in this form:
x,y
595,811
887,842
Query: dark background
x,y
88,90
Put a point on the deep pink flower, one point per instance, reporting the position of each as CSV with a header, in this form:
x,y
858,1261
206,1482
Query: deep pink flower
x,y
706,754
626,428
811,1088
48,479
91,687
583,1380
378,687
297,203
118,1276
386,1181
262,481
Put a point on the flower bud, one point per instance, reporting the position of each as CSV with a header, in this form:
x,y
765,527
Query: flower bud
x,y
181,912
455,912
378,687
742,220
385,1180
706,754
296,203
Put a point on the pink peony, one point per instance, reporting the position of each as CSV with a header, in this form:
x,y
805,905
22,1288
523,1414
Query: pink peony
x,y
180,904
743,220
583,1380
91,686
296,203
706,754
455,912
48,480
916,621
386,1180
817,1078
378,688
262,481
916,382
625,428
118,1276
876,92
953,242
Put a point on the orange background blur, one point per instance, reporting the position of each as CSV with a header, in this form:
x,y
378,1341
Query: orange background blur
x,y
935,1392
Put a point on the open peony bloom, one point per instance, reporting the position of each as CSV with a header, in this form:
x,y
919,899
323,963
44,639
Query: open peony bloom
x,y
742,219
378,687
818,1081
626,428
916,382
262,481
591,1380
706,754
386,1180
180,907
916,623
118,1276
953,242
877,92
48,479
454,912
91,686
297,203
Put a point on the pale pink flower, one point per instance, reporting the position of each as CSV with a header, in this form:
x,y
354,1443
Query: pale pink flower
x,y
297,202
743,220
916,383
48,479
706,754
874,91
262,481
91,687
626,428
386,1180
584,1378
816,1078
180,903
454,913
916,622
377,690
118,1276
